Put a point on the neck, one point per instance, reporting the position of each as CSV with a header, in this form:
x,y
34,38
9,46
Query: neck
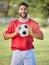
x,y
23,19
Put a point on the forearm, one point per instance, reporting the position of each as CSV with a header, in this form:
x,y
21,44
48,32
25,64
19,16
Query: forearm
x,y
9,36
37,36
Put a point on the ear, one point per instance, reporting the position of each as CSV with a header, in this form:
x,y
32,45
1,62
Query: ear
x,y
28,10
18,11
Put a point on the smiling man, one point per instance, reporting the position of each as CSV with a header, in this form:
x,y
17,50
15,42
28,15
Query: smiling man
x,y
23,48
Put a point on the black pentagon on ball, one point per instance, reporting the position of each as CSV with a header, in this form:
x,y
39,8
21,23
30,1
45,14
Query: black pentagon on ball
x,y
25,26
24,32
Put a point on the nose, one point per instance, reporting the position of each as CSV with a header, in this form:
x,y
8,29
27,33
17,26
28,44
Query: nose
x,y
24,32
23,11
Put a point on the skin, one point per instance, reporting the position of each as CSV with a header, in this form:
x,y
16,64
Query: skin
x,y
23,11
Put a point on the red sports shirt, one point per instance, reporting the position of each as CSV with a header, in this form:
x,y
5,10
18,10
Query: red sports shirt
x,y
22,43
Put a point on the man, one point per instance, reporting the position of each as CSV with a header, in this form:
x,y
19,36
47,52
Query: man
x,y
23,48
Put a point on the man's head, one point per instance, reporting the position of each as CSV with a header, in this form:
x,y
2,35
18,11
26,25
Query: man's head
x,y
23,10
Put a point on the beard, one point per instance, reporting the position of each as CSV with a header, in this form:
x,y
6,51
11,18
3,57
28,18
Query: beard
x,y
23,15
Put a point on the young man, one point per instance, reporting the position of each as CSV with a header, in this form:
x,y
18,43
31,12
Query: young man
x,y
23,48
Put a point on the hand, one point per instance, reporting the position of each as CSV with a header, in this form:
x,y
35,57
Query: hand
x,y
17,29
30,30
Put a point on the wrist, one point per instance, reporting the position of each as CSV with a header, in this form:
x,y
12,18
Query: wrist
x,y
15,33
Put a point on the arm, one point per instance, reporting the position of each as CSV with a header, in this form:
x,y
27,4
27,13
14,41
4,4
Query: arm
x,y
36,35
9,36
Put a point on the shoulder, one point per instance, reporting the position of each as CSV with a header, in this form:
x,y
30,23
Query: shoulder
x,y
13,22
33,21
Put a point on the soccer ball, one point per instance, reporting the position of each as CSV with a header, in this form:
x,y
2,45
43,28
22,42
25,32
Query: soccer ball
x,y
23,30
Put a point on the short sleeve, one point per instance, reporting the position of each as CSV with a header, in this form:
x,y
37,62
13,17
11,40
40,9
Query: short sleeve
x,y
37,29
8,30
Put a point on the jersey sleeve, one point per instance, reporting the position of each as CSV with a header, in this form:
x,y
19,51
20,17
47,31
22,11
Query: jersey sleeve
x,y
36,27
8,30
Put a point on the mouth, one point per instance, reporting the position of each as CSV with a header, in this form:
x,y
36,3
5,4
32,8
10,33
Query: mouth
x,y
23,15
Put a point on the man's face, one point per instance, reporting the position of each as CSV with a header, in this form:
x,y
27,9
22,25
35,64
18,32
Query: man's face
x,y
23,10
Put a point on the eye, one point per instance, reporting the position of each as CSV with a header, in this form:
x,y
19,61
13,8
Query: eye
x,y
25,26
21,9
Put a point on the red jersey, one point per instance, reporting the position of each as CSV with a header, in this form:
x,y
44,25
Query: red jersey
x,y
22,43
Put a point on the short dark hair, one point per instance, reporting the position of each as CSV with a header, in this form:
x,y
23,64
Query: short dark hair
x,y
25,4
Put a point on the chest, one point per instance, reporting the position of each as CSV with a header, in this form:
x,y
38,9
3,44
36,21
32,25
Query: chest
x,y
16,24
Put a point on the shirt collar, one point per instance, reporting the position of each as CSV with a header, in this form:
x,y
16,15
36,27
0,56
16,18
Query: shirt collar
x,y
24,20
